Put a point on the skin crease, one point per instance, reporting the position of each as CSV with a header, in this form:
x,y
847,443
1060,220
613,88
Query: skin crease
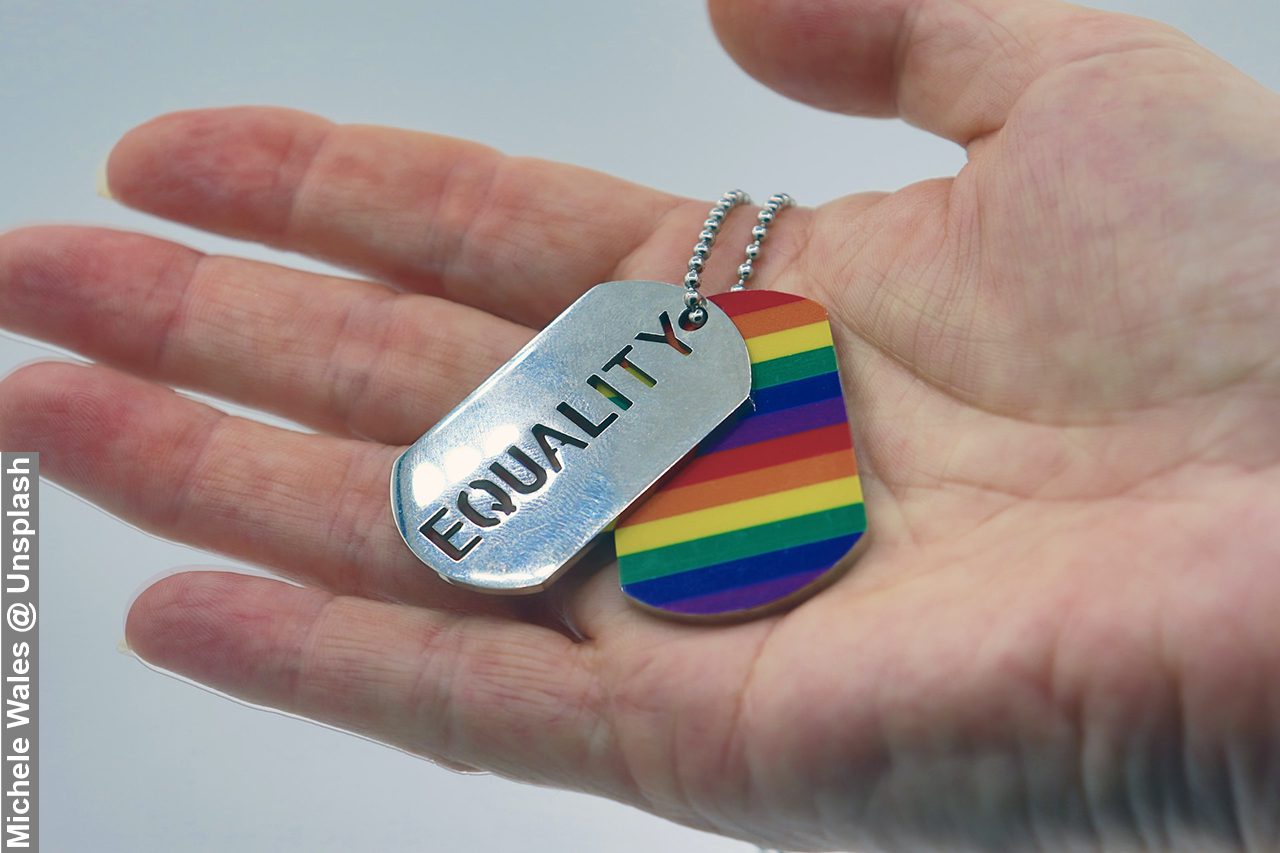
x,y
1062,367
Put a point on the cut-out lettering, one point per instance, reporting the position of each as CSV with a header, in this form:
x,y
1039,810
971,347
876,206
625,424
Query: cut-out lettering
x,y
518,498
443,539
584,423
501,503
621,360
613,395
667,337
544,435
535,470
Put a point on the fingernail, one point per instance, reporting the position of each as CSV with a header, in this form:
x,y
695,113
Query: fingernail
x,y
100,184
123,648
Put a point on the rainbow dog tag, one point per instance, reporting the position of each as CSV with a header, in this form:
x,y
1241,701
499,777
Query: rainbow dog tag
x,y
770,503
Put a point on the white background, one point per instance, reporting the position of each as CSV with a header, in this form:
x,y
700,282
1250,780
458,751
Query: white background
x,y
136,761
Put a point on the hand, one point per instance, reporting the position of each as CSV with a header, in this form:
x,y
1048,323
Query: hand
x,y
1063,371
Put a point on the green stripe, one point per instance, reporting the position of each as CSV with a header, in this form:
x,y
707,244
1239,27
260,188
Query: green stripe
x,y
738,544
789,368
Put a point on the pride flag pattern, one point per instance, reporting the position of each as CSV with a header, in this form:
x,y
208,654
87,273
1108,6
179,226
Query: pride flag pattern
x,y
771,501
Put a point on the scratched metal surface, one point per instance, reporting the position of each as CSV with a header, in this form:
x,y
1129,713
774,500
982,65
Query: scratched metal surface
x,y
528,546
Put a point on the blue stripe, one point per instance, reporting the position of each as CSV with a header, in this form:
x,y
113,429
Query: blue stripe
x,y
766,401
797,393
749,570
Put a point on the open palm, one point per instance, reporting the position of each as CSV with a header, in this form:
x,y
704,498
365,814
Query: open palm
x,y
1064,378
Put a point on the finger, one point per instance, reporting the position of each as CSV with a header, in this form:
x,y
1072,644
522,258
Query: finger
x,y
314,508
953,68
518,237
348,357
500,695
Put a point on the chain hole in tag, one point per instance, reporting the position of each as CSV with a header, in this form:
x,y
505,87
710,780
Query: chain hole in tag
x,y
686,320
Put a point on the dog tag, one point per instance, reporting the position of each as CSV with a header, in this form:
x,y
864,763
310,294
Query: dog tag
x,y
770,504
510,487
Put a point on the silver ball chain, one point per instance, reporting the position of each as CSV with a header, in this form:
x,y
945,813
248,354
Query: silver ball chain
x,y
693,298
695,313
775,205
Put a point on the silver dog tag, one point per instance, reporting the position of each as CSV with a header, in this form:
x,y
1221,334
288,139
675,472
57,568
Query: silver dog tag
x,y
509,488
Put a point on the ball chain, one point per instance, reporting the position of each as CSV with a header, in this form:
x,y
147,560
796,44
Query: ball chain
x,y
693,298
695,312
768,212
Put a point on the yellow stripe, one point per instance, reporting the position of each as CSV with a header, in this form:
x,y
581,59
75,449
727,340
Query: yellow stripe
x,y
789,341
738,516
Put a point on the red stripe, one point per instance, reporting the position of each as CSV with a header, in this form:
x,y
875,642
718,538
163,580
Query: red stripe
x,y
737,302
762,454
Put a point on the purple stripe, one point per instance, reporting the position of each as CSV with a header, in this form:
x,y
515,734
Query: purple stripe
x,y
753,428
744,597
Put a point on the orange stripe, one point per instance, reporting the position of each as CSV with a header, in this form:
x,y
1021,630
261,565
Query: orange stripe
x,y
751,484
779,318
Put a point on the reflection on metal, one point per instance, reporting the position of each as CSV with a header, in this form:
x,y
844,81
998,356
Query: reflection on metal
x,y
506,491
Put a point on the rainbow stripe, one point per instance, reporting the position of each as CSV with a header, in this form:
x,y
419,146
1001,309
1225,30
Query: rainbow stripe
x,y
770,502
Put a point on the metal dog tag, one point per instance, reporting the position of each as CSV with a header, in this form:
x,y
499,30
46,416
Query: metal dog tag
x,y
507,490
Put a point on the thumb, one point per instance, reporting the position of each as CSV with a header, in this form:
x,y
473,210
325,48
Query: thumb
x,y
953,67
